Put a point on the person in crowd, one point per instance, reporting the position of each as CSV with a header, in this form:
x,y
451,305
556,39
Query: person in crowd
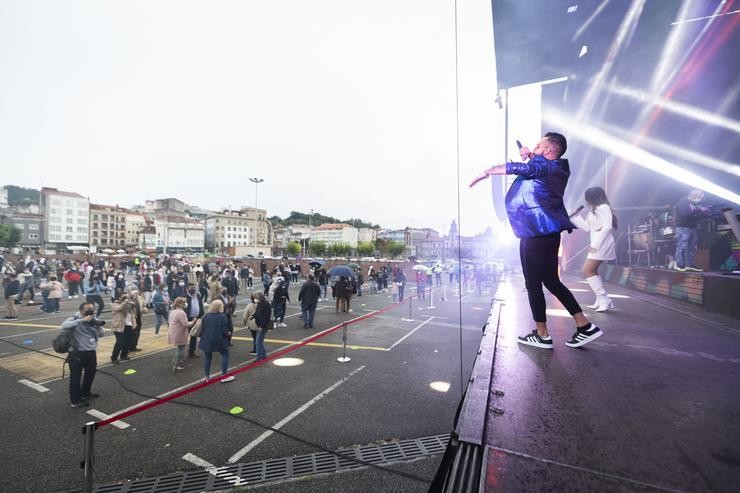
x,y
140,310
534,204
73,277
193,309
55,290
600,222
12,288
266,281
262,322
688,216
161,304
343,294
94,290
421,284
178,333
249,322
359,281
250,276
231,284
323,282
243,275
214,288
394,291
400,279
85,331
214,338
308,297
122,327
110,284
280,298
26,281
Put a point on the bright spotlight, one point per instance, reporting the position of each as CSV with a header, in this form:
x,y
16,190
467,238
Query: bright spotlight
x,y
584,50
440,386
629,152
288,362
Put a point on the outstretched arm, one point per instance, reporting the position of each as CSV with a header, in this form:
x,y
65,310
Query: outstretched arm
x,y
493,170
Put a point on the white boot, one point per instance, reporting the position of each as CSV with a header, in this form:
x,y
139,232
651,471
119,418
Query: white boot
x,y
603,302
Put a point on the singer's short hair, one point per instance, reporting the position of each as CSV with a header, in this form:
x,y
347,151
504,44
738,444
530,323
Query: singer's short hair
x,y
557,140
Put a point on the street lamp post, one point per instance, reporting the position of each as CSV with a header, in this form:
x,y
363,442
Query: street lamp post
x,y
256,182
308,250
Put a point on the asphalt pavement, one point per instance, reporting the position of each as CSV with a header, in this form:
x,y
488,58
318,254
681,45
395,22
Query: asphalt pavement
x,y
382,395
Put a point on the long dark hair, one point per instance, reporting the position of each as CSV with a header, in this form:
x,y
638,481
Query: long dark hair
x,y
595,196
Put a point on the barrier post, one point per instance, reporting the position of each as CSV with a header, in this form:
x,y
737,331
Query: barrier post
x,y
411,313
444,293
431,300
87,465
344,358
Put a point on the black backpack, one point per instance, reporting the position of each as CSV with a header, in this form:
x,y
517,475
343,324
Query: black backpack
x,y
64,342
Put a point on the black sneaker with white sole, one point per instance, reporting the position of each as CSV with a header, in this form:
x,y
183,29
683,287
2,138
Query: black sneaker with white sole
x,y
534,339
582,337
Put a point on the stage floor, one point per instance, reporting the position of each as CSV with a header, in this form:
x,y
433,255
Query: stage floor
x,y
652,404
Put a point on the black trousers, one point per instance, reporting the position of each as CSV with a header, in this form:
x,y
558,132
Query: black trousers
x,y
96,299
539,256
134,339
79,362
122,344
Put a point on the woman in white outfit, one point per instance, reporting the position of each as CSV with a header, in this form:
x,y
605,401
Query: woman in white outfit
x,y
600,222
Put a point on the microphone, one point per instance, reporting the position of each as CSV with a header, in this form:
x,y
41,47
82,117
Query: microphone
x,y
580,208
519,144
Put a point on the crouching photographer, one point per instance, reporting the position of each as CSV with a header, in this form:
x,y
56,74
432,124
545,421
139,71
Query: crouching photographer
x,y
84,330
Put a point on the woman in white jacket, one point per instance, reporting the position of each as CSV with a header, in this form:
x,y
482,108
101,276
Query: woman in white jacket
x,y
600,222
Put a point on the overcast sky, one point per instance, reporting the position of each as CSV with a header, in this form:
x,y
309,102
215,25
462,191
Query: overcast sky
x,y
345,107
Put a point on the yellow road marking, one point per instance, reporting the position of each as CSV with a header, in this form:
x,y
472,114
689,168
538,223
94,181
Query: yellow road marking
x,y
21,324
319,344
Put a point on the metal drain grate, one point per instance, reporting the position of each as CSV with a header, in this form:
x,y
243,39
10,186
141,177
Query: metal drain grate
x,y
250,473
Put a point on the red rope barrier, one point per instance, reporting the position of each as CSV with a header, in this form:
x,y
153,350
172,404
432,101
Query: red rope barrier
x,y
198,386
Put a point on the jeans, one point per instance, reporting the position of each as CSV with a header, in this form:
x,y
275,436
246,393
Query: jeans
x,y
323,291
79,386
307,313
24,288
400,292
96,299
278,309
179,355
539,257
359,289
686,242
224,362
122,343
260,343
52,305
161,319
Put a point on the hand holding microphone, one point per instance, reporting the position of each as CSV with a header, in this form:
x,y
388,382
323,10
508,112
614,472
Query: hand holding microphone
x,y
524,151
580,208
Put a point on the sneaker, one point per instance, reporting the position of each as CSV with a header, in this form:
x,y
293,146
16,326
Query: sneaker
x,y
91,395
535,340
582,337
253,353
178,368
227,379
80,404
282,324
115,361
125,358
680,269
135,349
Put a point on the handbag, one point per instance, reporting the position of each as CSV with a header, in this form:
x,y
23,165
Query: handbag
x,y
197,329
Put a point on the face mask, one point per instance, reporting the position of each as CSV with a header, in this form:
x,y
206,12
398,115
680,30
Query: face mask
x,y
89,312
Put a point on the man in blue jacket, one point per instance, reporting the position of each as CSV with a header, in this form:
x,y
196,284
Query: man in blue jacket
x,y
534,204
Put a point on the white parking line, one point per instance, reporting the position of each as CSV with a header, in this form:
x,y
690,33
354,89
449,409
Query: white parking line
x,y
195,460
241,453
213,470
100,415
410,333
33,385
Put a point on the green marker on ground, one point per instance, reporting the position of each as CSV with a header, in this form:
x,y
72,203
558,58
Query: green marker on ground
x,y
236,410
130,371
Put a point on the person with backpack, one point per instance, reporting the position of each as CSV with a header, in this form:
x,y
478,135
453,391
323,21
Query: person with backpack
x,y
161,304
262,321
280,298
84,331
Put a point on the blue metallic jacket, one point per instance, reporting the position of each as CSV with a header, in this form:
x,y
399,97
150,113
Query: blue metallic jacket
x,y
534,203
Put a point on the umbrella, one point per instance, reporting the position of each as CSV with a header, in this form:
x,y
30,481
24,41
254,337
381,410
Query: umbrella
x,y
420,267
340,270
315,264
353,266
